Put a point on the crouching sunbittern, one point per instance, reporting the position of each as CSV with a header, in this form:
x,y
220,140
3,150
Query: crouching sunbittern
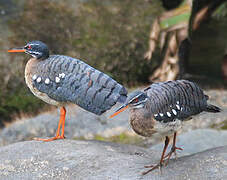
x,y
162,108
59,79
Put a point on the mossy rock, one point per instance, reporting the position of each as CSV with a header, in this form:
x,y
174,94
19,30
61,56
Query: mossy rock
x,y
123,138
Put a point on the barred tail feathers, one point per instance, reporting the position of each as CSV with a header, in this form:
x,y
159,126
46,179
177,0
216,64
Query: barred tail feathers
x,y
212,108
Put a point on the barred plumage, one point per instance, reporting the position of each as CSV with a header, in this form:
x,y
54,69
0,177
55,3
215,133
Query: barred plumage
x,y
82,84
183,96
161,108
59,79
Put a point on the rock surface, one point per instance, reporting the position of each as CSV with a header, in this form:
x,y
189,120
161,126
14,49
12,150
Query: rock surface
x,y
93,160
197,141
79,123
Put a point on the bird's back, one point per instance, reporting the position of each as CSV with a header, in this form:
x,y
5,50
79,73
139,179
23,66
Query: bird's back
x,y
67,79
179,99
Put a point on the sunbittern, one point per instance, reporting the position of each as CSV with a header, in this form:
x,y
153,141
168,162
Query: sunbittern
x,y
162,108
58,79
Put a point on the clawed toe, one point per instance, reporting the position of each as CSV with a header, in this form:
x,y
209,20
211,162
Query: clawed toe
x,y
168,156
164,158
153,167
173,150
61,125
150,166
50,139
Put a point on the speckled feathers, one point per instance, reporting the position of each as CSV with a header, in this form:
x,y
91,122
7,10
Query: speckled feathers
x,y
65,79
176,99
167,106
168,101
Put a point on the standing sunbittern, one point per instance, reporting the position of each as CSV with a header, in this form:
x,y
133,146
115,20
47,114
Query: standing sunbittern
x,y
162,108
59,79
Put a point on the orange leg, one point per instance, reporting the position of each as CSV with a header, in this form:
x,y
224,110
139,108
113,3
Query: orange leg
x,y
63,122
159,165
61,125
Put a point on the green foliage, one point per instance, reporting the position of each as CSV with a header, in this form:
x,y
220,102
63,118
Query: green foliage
x,y
221,11
224,125
114,38
17,102
46,21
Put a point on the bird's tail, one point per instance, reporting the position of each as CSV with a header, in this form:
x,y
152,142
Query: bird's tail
x,y
212,108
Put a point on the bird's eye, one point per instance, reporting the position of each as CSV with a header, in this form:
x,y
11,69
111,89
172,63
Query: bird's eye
x,y
29,47
135,100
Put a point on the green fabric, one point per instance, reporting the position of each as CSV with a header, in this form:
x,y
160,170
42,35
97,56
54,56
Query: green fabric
x,y
172,21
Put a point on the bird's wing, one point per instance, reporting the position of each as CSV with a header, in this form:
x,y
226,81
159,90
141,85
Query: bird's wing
x,y
66,79
179,99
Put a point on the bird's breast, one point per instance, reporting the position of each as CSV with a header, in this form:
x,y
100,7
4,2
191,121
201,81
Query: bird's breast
x,y
142,122
167,128
30,70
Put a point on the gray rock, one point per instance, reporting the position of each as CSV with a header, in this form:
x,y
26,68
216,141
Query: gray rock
x,y
79,123
197,141
92,160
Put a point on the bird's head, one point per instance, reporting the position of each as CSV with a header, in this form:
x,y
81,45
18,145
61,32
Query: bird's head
x,y
135,100
36,49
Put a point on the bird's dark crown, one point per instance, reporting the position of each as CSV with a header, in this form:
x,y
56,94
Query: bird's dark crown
x,y
37,49
136,98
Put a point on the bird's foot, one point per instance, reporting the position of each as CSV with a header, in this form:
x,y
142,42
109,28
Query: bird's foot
x,y
173,150
50,139
153,167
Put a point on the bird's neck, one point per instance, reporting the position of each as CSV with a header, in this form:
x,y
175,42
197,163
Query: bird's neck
x,y
141,120
31,64
142,112
30,69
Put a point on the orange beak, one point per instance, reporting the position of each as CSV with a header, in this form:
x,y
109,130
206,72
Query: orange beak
x,y
121,109
17,50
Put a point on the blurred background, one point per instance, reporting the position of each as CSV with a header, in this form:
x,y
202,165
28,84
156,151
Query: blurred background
x,y
115,37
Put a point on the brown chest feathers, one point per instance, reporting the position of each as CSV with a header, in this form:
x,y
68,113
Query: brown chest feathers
x,y
142,122
30,71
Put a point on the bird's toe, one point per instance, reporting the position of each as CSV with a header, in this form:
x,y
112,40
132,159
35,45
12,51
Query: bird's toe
x,y
49,139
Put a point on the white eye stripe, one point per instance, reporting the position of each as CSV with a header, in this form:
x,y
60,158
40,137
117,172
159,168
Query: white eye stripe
x,y
144,100
134,98
139,106
34,52
32,45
